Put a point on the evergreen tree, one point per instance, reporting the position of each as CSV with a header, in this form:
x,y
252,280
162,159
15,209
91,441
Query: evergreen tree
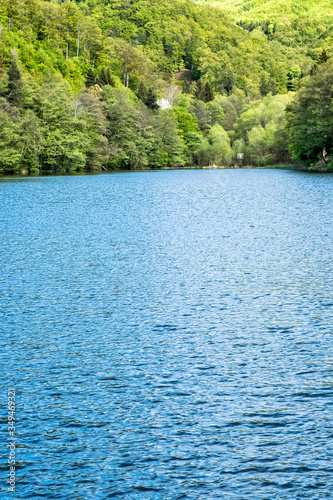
x,y
208,94
198,90
15,85
324,57
105,78
290,83
203,92
91,78
151,100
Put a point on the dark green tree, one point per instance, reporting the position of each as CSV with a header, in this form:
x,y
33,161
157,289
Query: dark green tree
x,y
324,57
151,100
203,92
105,78
91,78
208,94
15,84
198,90
291,82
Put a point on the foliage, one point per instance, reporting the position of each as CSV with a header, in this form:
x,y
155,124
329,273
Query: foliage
x,y
98,85
214,149
310,122
105,78
260,127
91,78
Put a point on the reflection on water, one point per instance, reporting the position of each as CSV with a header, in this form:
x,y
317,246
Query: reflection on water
x,y
170,334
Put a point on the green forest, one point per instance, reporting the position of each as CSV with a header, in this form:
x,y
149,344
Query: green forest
x,y
131,84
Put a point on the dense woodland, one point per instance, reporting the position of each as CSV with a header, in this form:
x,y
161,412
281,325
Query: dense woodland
x,y
107,84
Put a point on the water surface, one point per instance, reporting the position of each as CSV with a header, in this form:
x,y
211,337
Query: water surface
x,y
169,334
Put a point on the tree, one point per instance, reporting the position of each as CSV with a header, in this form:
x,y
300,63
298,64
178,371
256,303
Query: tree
x,y
208,94
198,90
186,123
30,142
142,92
151,100
214,148
123,131
324,57
105,78
200,111
310,122
134,64
10,158
168,149
203,92
66,137
259,126
91,120
91,78
15,85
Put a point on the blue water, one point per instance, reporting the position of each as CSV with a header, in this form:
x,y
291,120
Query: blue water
x,y
169,334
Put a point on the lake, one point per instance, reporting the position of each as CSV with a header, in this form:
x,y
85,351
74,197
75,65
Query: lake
x,y
169,334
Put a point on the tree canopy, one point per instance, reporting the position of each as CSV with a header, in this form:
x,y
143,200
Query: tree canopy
x,y
310,118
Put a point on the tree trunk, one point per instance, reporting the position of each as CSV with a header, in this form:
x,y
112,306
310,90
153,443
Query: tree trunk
x,y
67,45
324,156
78,38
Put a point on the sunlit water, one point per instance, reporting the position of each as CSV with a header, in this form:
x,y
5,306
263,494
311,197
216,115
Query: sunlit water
x,y
169,334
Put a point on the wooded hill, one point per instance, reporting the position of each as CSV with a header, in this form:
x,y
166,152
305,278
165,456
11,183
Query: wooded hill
x,y
135,84
306,24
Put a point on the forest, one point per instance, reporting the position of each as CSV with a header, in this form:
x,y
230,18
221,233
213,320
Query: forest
x,y
131,84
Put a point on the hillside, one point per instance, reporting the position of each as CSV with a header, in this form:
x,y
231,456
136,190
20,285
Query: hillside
x,y
305,23
274,8
141,38
134,84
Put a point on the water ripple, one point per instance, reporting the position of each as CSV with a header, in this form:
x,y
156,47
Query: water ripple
x,y
169,334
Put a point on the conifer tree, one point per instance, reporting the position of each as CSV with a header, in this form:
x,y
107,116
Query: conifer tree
x,y
198,90
105,78
208,94
151,100
15,85
203,92
324,57
91,78
290,82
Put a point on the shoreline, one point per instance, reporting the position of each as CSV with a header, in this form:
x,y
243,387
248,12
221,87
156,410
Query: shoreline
x,y
297,167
